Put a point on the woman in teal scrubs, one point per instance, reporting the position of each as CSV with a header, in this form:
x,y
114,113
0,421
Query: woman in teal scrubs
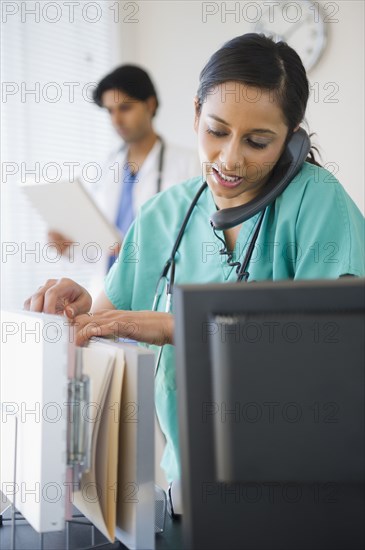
x,y
251,98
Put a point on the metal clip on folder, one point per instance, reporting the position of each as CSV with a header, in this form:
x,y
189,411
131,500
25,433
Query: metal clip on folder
x,y
78,433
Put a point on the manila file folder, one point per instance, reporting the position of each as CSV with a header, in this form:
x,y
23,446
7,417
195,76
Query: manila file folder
x,y
77,428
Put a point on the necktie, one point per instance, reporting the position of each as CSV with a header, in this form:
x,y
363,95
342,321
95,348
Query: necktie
x,y
125,214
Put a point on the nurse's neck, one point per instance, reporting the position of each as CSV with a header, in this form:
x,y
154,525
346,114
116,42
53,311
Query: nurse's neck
x,y
139,150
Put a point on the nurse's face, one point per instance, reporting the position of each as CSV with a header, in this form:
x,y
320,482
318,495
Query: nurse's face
x,y
241,134
131,118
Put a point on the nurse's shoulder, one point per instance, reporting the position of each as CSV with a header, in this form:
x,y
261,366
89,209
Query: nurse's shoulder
x,y
315,191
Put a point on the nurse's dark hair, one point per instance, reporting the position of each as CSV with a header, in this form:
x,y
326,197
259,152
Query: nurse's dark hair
x,y
256,60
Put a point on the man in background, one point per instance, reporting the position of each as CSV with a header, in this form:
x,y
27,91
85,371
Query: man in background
x,y
145,163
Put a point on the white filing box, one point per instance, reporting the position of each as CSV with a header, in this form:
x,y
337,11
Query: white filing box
x,y
37,370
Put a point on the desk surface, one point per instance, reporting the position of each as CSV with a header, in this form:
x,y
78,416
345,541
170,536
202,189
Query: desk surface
x,y
172,537
80,537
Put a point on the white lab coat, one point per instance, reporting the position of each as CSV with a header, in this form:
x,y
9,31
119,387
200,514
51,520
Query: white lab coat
x,y
179,164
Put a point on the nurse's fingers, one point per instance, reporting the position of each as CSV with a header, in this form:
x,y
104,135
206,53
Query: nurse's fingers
x,y
106,323
151,327
67,296
36,301
59,297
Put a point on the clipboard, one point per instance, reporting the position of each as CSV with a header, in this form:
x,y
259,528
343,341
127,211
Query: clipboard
x,y
67,208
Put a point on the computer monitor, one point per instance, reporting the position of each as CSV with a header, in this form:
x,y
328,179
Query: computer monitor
x,y
270,379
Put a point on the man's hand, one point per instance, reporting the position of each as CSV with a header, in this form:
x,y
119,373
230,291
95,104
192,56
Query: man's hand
x,y
114,250
62,296
151,327
61,242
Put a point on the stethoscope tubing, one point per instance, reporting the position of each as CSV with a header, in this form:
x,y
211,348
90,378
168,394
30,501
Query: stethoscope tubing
x,y
169,266
160,165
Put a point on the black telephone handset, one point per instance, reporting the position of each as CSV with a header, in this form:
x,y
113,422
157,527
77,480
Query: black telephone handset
x,y
287,167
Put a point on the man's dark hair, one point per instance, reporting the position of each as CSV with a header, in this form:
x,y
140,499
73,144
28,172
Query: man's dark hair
x,y
131,80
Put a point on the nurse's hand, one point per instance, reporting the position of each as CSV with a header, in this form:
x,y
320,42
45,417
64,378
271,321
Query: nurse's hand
x,y
151,327
62,296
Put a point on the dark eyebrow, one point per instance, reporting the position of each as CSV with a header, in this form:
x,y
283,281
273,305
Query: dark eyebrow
x,y
253,130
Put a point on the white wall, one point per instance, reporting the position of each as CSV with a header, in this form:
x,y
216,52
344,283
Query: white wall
x,y
171,41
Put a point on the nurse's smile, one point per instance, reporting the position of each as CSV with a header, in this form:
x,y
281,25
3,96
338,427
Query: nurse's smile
x,y
226,180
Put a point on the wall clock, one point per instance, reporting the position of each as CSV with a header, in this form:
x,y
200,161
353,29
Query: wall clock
x,y
301,24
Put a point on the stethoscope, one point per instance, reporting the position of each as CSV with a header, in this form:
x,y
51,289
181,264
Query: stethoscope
x,y
160,164
296,150
169,267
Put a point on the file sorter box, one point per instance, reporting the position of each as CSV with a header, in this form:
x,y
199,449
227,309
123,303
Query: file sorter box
x,y
34,356
124,507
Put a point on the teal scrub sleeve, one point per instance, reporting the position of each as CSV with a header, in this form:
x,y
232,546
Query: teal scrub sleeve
x,y
119,282
330,232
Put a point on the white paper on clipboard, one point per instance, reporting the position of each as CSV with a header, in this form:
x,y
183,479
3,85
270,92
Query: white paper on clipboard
x,y
67,208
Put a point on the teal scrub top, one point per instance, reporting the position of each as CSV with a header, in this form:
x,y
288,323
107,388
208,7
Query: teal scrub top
x,y
312,231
